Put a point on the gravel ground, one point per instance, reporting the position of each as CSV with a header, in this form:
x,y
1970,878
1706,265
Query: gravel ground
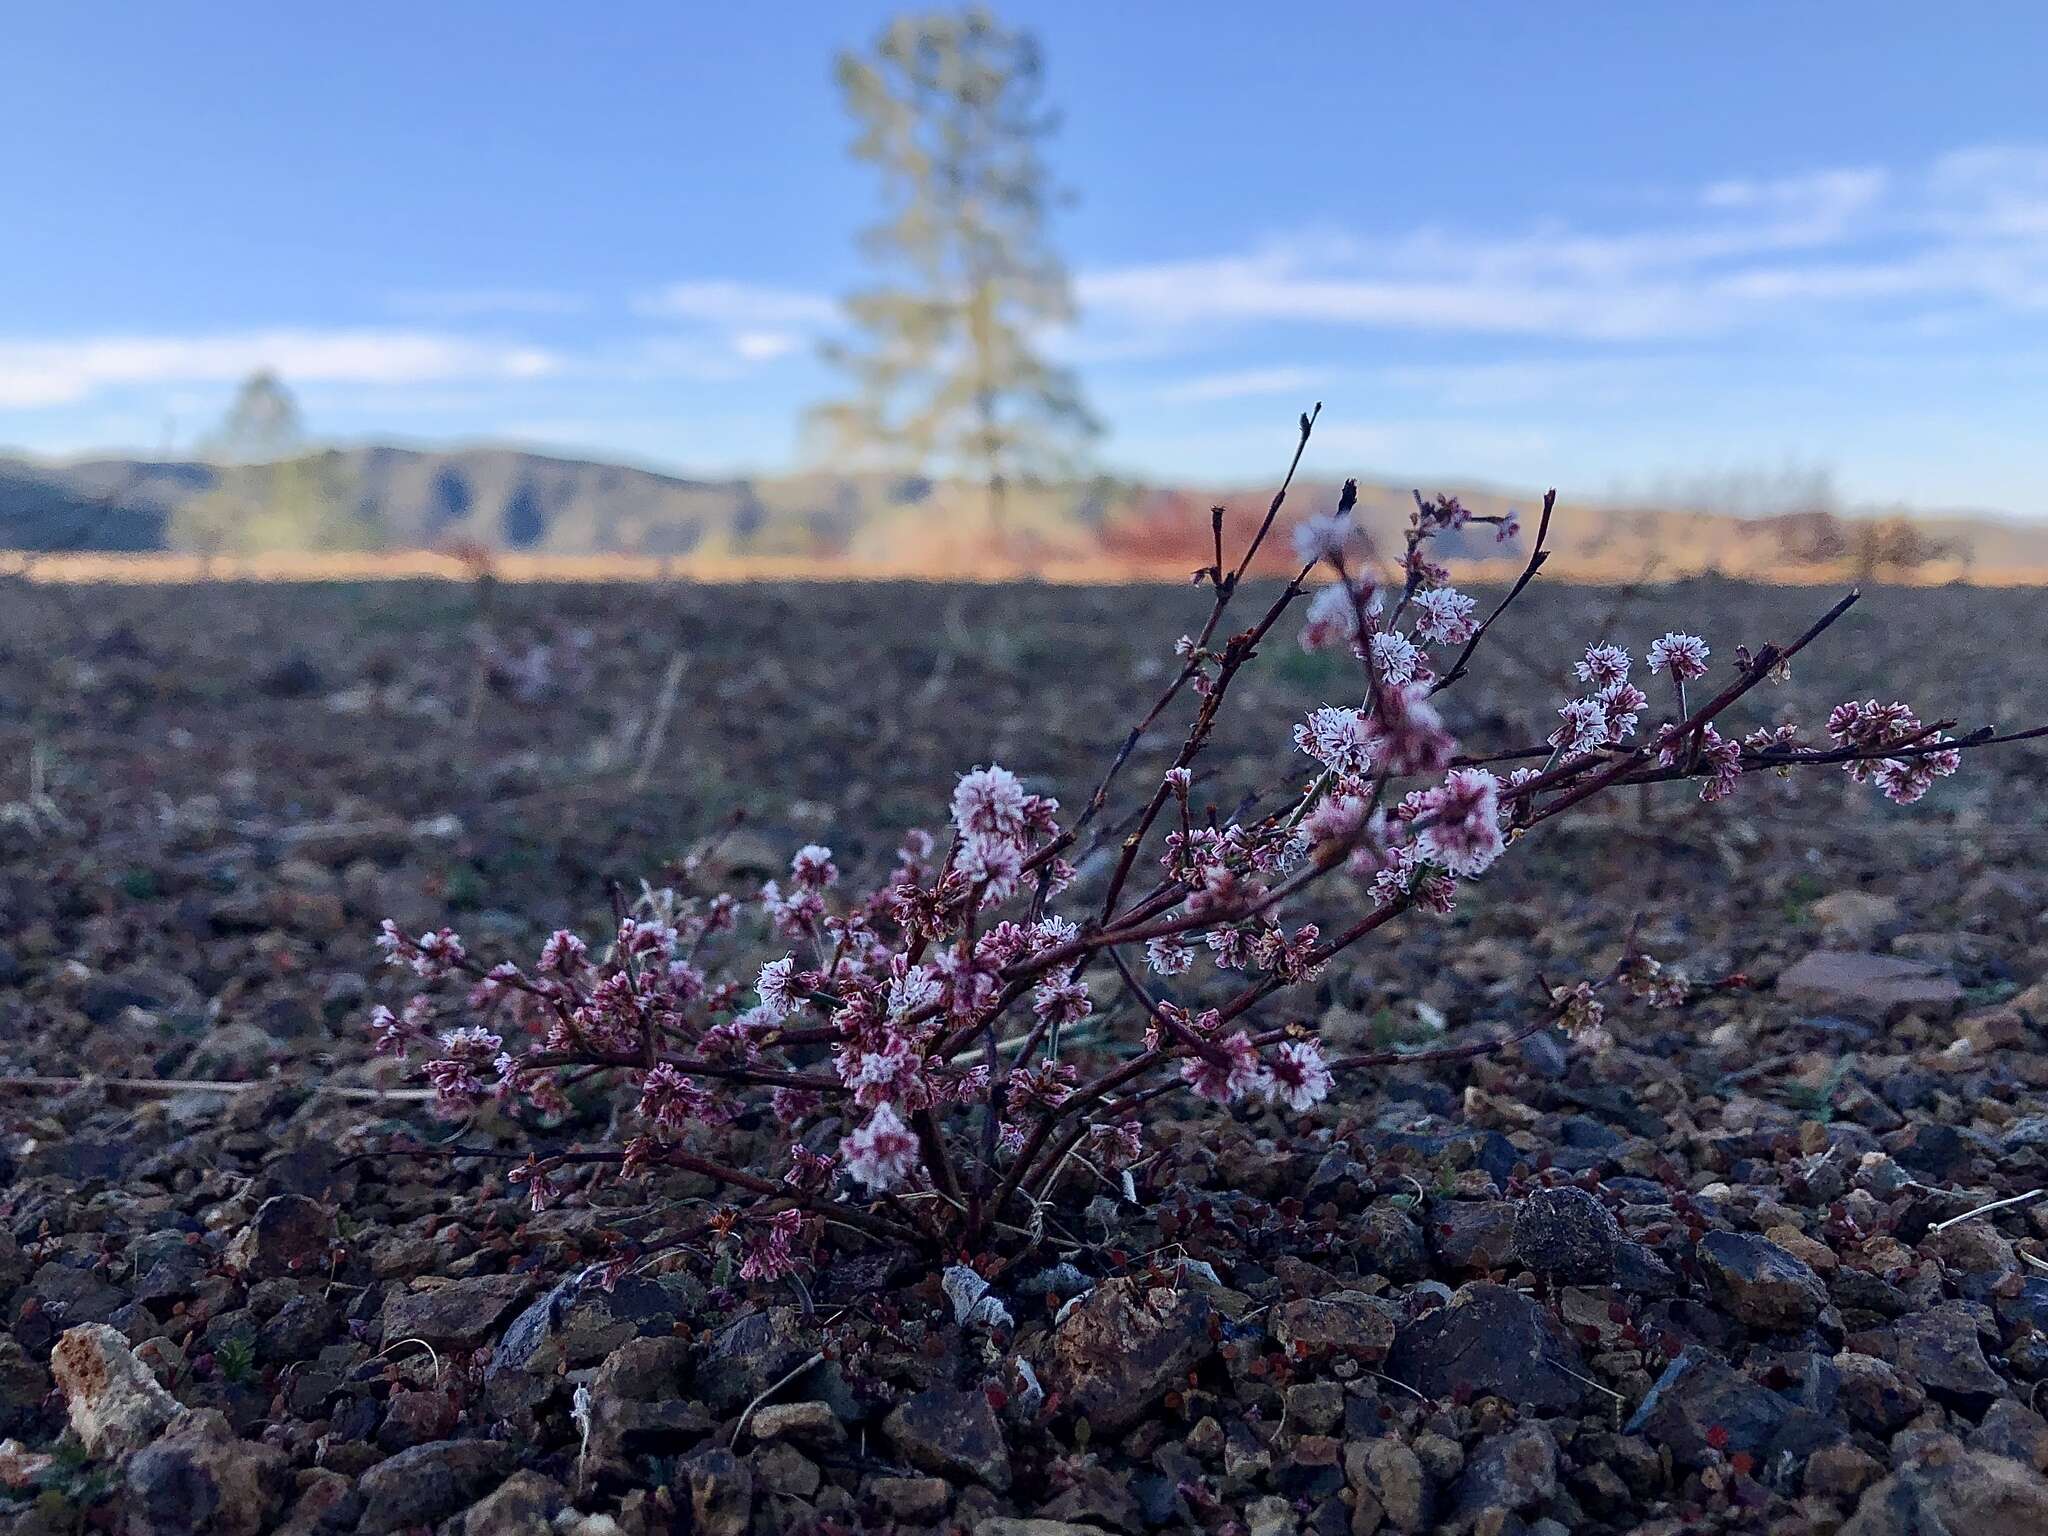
x,y
1710,1278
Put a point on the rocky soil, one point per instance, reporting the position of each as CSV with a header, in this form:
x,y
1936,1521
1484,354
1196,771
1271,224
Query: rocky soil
x,y
1744,1270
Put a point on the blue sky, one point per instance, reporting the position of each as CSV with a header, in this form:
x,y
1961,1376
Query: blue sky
x,y
1623,250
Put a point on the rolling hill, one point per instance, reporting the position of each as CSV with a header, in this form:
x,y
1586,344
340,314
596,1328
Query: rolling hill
x,y
506,500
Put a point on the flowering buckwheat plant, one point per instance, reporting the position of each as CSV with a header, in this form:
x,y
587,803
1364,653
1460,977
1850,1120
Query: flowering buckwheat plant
x,y
915,1044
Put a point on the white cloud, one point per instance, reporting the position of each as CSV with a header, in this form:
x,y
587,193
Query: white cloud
x,y
765,346
740,306
1246,384
1971,228
468,303
49,373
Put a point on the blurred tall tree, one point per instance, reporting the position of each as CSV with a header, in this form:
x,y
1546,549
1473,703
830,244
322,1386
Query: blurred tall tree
x,y
947,371
262,426
271,492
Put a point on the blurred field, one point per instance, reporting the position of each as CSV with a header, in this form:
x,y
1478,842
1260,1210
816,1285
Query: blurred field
x,y
159,569
424,747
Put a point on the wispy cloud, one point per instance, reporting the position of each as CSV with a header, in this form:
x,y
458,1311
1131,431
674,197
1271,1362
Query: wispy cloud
x,y
747,324
473,303
739,306
47,373
1243,384
1971,228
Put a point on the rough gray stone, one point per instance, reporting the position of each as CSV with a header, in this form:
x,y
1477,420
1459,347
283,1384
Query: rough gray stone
x,y
428,1483
201,1477
1566,1234
1760,1282
952,1434
1124,1347
1490,1341
114,1402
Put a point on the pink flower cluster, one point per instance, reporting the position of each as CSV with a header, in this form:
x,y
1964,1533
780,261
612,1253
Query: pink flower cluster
x,y
930,1052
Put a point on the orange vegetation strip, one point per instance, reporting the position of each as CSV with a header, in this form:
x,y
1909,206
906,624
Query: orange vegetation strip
x,y
156,569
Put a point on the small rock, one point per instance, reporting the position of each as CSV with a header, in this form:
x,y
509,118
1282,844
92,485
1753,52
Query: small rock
x,y
1840,1472
1344,1322
203,1477
114,1402
1096,1496
1851,919
1269,1516
721,1493
525,1504
916,1499
327,1503
1124,1347
68,1296
1490,1340
428,1483
639,1406
458,1314
1473,1235
24,1384
1392,1474
1760,1282
1954,1490
1511,1472
1566,1234
1939,1349
1881,987
1701,1407
1874,1395
2012,1429
295,675
289,1234
952,1434
1814,1254
814,1423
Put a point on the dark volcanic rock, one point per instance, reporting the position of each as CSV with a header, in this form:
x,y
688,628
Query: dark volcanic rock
x,y
1473,1234
749,1354
1392,1474
2012,1429
429,1483
1124,1347
573,1326
203,1477
68,1296
639,1405
288,1234
1870,986
1876,1396
1344,1322
1760,1282
1701,1408
1488,1151
1490,1340
721,1493
1566,1234
1939,1349
460,1314
1947,1489
1510,1472
952,1434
